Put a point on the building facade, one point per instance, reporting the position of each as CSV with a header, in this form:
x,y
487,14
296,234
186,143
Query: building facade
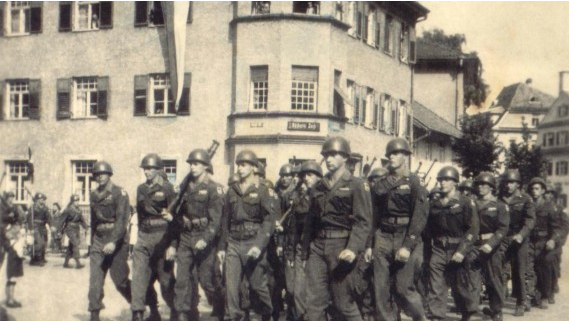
x,y
88,81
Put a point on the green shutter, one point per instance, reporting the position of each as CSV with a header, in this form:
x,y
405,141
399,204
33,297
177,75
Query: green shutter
x,y
35,98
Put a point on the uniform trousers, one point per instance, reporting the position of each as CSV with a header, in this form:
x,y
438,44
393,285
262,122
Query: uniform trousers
x,y
149,264
295,277
393,279
517,255
490,267
73,233
40,244
541,278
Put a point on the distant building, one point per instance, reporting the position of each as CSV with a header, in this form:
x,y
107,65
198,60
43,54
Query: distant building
x,y
553,136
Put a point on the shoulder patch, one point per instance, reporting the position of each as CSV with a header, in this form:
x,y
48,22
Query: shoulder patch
x,y
220,190
366,186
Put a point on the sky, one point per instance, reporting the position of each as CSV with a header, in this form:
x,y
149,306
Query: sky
x,y
515,40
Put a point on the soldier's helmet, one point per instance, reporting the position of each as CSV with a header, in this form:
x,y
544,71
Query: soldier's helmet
x,y
40,196
466,184
485,178
377,172
397,145
296,169
246,156
199,155
435,190
311,166
151,161
74,198
285,170
448,172
8,194
336,144
537,180
259,169
551,189
234,178
512,175
102,167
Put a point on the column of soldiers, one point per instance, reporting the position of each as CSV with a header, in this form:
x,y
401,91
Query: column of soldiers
x,y
327,246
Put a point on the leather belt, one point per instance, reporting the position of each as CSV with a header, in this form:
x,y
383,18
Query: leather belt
x,y
447,241
196,224
244,231
396,220
103,227
153,224
486,236
540,233
333,234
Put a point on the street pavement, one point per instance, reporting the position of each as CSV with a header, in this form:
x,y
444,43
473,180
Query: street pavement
x,y
52,293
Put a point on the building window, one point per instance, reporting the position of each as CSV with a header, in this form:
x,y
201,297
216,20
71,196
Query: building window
x,y
339,10
82,171
261,7
170,170
82,97
307,7
561,168
535,121
21,18
549,168
18,179
394,117
259,88
378,112
303,95
370,25
21,98
153,96
387,125
85,15
388,37
550,139
404,43
86,96
563,110
562,138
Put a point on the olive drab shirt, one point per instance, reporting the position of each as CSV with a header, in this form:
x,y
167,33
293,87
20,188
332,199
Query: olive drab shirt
x,y
254,205
457,218
403,197
151,200
38,217
494,218
110,206
548,222
294,225
203,200
11,220
522,213
344,206
72,217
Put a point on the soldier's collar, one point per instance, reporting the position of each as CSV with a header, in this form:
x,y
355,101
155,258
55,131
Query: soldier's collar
x,y
107,188
157,180
454,196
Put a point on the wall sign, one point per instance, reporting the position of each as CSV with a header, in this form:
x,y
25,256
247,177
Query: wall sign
x,y
303,126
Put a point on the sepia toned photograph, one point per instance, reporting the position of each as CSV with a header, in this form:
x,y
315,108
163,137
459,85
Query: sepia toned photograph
x,y
284,160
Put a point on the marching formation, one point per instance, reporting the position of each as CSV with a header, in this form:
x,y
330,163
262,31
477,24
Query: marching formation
x,y
316,246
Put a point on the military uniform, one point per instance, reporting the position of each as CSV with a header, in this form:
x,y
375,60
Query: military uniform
x,y
155,235
494,221
248,221
37,219
340,219
276,276
109,221
200,219
11,221
400,221
71,222
522,220
559,248
451,228
541,261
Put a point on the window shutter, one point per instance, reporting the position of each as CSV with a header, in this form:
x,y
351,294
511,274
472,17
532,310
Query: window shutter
x,y
171,109
190,13
364,28
305,73
377,34
356,104
157,16
359,24
184,108
65,16
140,92
140,13
63,99
103,93
381,112
412,52
106,15
2,4
35,17
35,96
2,89
363,97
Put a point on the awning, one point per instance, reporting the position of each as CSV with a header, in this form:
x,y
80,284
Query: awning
x,y
424,117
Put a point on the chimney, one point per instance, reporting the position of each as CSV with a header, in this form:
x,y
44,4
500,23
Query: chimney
x,y
564,81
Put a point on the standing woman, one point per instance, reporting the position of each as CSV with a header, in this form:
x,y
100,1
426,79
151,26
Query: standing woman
x,y
71,220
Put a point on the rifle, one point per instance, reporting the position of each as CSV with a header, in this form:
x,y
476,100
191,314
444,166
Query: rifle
x,y
173,207
418,168
32,223
367,167
430,168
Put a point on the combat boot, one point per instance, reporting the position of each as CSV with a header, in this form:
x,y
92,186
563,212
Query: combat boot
x,y
466,316
137,315
154,315
95,315
78,264
66,263
520,309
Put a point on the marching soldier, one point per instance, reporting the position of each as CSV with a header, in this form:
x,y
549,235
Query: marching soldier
x,y
150,259
38,218
400,221
522,220
71,221
248,223
340,221
489,249
546,235
466,187
11,229
200,218
109,249
551,196
452,227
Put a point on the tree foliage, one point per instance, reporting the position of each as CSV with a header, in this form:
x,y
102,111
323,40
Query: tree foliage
x,y
438,36
527,158
477,150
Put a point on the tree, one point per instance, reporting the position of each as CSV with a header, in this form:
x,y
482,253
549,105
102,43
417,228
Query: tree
x,y
526,158
475,88
477,150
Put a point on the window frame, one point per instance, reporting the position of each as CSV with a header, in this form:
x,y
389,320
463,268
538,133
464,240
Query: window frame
x,y
166,89
170,167
562,168
84,192
75,91
22,177
293,88
30,18
262,91
9,93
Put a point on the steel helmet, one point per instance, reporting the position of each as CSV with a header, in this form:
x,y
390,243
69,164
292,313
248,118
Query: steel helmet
x,y
537,180
397,145
466,184
40,196
378,172
199,155
246,156
448,172
102,167
286,169
74,198
485,178
434,191
151,161
551,188
259,169
311,167
336,144
512,175
9,194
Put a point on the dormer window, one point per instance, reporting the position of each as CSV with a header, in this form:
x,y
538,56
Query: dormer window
x,y
563,110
